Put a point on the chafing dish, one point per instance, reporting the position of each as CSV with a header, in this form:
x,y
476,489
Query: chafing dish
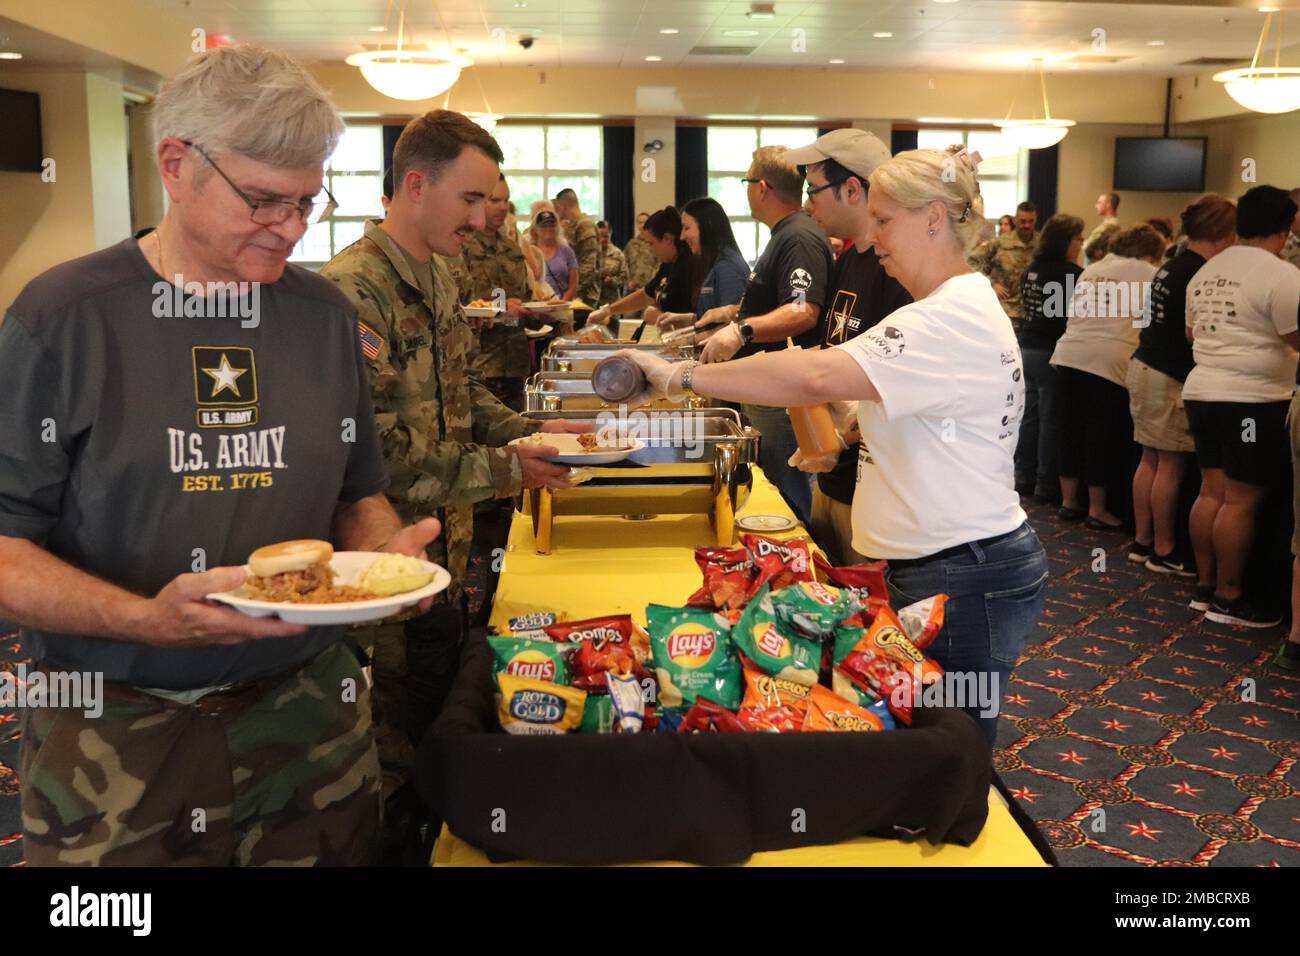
x,y
568,356
568,391
695,461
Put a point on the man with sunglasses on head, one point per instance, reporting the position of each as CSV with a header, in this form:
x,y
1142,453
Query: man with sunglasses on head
x,y
784,299
860,294
148,449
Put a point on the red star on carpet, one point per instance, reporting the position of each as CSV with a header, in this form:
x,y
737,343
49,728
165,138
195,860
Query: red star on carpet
x,y
1115,725
1016,699
1057,673
1094,650
1141,829
1184,671
1215,648
1125,629
1071,757
1269,863
1048,612
1152,696
1223,753
1253,721
1077,596
1024,793
1185,789
1281,692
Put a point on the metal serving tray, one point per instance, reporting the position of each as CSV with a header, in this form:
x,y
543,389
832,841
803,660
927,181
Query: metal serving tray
x,y
572,391
575,357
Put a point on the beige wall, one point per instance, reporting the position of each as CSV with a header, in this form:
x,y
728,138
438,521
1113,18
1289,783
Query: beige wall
x,y
147,194
110,185
661,188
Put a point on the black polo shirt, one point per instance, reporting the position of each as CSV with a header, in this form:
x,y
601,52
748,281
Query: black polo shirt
x,y
796,264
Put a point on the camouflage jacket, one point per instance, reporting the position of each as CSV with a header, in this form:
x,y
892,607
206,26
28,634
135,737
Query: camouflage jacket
x,y
613,275
442,431
1291,251
586,247
489,262
641,262
1004,261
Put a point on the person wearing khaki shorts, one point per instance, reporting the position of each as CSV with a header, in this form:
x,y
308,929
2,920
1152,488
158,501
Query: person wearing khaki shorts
x,y
1160,427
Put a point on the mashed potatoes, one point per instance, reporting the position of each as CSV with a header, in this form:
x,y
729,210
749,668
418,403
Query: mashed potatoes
x,y
394,574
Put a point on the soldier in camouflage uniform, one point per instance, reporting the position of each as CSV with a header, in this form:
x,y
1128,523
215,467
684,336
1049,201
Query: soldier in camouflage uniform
x,y
613,268
490,266
443,433
641,261
582,236
1006,258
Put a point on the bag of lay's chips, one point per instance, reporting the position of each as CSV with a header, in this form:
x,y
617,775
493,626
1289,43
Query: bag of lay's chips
x,y
538,660
772,703
774,646
693,657
779,563
597,715
813,609
534,707
829,711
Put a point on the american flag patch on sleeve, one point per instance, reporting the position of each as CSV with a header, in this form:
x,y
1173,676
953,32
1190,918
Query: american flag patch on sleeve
x,y
370,341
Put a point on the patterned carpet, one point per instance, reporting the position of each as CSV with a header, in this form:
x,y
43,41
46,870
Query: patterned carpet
x,y
1125,734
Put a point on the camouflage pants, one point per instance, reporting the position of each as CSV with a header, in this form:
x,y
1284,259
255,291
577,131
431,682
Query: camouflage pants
x,y
272,773
413,664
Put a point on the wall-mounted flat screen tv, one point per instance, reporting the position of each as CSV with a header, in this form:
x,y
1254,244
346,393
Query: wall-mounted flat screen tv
x,y
1160,164
20,132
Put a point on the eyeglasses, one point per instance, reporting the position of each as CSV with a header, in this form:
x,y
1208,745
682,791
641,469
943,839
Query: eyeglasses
x,y
814,190
273,212
747,181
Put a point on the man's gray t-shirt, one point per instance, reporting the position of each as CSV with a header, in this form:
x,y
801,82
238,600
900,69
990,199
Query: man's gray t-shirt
x,y
140,444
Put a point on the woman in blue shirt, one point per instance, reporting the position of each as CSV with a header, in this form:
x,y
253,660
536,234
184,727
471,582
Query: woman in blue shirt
x,y
707,230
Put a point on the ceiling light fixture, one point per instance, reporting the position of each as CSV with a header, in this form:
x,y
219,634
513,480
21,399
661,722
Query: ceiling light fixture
x,y
1264,89
1155,43
653,59
740,33
761,11
882,35
836,61
10,55
670,31
378,29
1035,133
486,119
404,73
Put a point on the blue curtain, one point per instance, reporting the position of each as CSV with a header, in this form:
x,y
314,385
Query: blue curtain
x,y
620,168
901,140
391,132
692,163
1043,180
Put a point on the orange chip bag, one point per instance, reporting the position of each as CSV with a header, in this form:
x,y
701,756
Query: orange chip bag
x,y
829,711
772,703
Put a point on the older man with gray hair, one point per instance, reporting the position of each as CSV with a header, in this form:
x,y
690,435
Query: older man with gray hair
x,y
165,433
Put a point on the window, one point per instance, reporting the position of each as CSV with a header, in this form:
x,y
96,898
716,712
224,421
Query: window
x,y
542,160
1003,174
730,151
355,175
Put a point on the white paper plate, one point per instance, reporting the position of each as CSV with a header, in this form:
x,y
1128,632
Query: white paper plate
x,y
547,306
348,567
571,452
482,313
544,331
764,523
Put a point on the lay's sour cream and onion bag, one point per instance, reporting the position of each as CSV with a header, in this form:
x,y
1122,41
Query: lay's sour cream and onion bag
x,y
693,657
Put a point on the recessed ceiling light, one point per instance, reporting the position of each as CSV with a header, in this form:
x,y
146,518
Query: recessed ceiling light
x,y
653,59
945,1
836,61
1269,9
882,35
670,31
1155,43
378,29
740,33
520,4
10,55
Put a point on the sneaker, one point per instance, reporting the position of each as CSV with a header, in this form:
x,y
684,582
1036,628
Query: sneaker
x,y
1204,598
1140,553
1168,565
1288,656
1240,613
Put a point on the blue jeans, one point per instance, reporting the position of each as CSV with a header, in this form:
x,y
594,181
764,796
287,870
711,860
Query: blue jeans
x,y
774,452
995,595
1036,450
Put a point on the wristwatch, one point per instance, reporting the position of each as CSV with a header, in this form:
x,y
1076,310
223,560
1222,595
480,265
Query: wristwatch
x,y
688,376
746,331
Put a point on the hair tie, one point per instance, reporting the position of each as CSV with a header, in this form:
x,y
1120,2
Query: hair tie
x,y
965,213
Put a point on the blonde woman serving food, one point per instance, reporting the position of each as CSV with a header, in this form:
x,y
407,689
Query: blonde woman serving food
x,y
940,391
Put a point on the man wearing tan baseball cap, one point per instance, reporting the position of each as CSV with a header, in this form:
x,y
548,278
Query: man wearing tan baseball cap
x,y
837,167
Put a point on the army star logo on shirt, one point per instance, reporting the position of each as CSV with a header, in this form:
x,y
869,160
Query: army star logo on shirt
x,y
841,312
225,377
225,386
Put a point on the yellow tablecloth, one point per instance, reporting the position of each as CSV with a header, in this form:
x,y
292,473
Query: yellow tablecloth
x,y
612,565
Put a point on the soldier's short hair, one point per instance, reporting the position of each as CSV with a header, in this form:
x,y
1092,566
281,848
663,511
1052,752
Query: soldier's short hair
x,y
1264,211
432,142
1027,206
566,195
781,175
1113,198
252,101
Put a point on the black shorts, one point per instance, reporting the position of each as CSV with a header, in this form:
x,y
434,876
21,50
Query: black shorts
x,y
1247,440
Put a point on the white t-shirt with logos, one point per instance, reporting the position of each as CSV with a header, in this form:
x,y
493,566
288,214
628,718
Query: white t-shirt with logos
x,y
1106,317
935,465
1239,305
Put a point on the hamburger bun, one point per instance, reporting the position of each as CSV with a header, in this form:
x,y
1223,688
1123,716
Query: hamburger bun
x,y
289,556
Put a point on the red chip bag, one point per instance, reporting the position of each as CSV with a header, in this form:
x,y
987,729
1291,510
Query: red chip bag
x,y
883,660
605,645
779,563
707,717
728,574
867,581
